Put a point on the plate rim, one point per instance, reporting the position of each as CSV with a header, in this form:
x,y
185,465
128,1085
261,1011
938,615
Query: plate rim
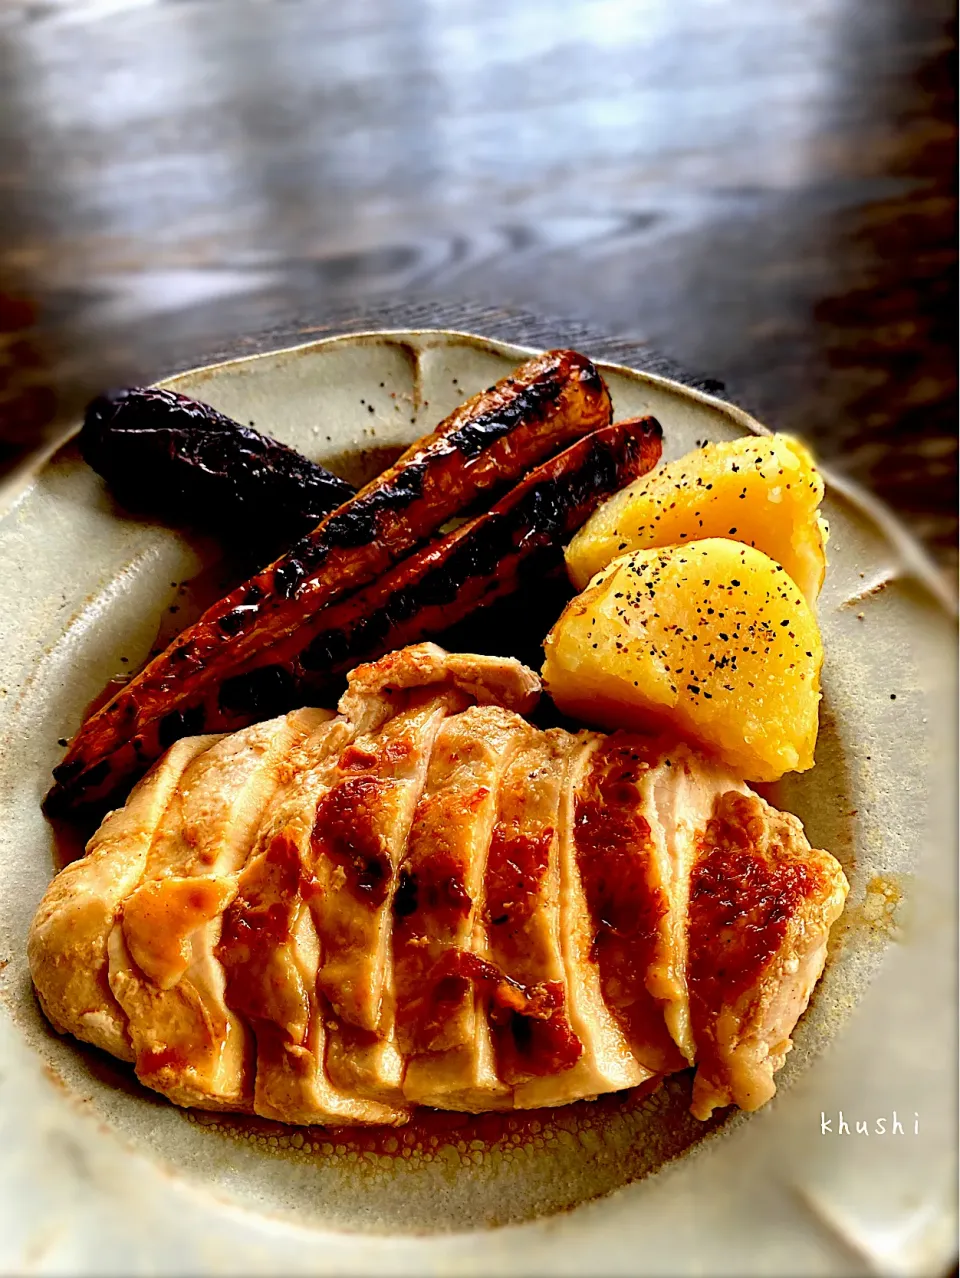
x,y
915,559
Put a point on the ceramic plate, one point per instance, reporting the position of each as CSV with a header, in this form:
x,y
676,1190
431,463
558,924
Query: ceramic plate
x,y
101,1176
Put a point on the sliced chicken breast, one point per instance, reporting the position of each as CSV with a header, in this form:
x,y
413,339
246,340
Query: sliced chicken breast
x,y
427,900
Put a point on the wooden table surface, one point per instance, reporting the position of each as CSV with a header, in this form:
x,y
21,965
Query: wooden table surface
x,y
763,192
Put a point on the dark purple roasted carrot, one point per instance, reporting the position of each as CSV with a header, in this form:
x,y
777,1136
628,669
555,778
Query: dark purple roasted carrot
x,y
166,454
487,443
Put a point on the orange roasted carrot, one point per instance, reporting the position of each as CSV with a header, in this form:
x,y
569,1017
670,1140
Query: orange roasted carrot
x,y
487,443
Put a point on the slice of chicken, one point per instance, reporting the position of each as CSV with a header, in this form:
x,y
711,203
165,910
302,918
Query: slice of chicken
x,y
534,1043
67,944
270,951
441,1019
686,786
761,905
359,838
607,1063
625,873
162,969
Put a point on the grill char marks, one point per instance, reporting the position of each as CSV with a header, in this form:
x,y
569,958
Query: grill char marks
x,y
359,522
426,900
530,399
484,560
166,453
531,415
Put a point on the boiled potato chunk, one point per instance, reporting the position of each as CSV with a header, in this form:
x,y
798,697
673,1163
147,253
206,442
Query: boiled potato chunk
x,y
712,640
763,491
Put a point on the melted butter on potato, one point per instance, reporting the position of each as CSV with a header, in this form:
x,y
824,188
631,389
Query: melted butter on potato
x,y
713,640
762,491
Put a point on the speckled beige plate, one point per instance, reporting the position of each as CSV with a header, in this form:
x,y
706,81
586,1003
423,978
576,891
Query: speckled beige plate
x,y
98,1175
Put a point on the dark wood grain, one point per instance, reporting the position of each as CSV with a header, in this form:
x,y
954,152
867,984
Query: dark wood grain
x,y
764,192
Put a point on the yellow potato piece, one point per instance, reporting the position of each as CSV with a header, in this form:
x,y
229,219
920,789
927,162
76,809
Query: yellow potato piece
x,y
712,640
763,491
